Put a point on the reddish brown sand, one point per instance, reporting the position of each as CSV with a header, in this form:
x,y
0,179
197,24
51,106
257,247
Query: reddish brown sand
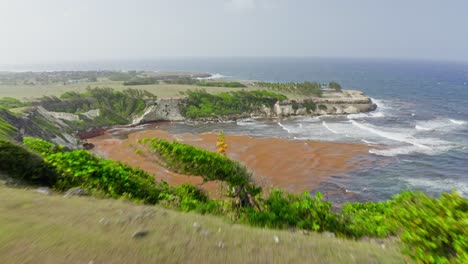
x,y
291,165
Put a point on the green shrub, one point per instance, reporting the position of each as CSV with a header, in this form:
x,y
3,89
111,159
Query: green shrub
x,y
282,210
202,104
141,81
434,230
19,163
191,81
191,160
305,88
334,85
41,146
8,102
370,219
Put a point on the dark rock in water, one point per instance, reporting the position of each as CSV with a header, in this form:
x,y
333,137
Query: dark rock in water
x,y
75,192
140,234
44,190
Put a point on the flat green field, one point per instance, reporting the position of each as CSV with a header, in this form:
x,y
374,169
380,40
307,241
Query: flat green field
x,y
37,228
28,92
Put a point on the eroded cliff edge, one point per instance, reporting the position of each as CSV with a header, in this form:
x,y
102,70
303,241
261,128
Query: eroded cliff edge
x,y
331,103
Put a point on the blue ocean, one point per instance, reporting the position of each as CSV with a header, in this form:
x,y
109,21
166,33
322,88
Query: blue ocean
x,y
418,136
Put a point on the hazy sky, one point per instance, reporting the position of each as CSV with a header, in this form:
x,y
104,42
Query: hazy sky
x,y
35,31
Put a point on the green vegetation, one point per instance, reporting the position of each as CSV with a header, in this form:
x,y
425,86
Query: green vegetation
x,y
191,81
433,230
8,103
335,85
141,81
304,89
52,229
116,107
202,104
24,165
6,129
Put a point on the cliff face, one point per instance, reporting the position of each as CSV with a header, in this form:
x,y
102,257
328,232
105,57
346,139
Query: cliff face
x,y
161,110
331,103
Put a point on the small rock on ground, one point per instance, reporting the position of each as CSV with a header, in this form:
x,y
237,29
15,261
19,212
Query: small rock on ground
x,y
44,190
140,234
75,192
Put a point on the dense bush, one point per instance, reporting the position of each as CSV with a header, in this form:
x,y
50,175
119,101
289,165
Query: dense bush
x,y
191,81
116,107
41,146
19,163
284,210
334,85
8,102
370,219
141,81
433,230
6,129
202,104
191,160
305,88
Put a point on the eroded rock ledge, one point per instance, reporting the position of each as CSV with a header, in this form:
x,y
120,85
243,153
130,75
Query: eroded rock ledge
x,y
331,103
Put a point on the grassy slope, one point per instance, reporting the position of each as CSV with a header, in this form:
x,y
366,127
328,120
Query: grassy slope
x,y
35,228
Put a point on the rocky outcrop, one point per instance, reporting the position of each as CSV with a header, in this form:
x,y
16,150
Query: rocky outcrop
x,y
331,103
161,110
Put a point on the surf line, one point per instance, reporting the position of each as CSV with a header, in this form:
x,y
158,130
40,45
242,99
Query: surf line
x,y
388,135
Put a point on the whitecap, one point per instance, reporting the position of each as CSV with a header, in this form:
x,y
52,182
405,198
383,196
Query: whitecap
x,y
212,77
457,122
327,127
390,135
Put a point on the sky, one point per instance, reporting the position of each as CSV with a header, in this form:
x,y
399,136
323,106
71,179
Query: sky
x,y
34,31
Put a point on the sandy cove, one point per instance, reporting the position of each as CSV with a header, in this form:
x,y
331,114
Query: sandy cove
x,y
292,165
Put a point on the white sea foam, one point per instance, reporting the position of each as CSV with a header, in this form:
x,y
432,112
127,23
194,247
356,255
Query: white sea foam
x,y
327,127
390,135
439,184
458,122
439,124
284,128
418,127
212,77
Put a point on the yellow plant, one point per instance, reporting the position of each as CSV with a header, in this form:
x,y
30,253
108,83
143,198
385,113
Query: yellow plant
x,y
221,145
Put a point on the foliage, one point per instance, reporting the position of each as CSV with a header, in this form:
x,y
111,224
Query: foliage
x,y
335,85
24,165
221,145
141,81
281,210
116,107
8,103
41,146
305,88
202,104
191,160
434,230
6,129
190,81
367,219
322,107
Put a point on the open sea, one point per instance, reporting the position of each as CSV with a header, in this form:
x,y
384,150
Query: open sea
x,y
418,135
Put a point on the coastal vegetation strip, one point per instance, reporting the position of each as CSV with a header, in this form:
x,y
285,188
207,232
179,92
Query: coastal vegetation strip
x,y
433,230
200,103
192,81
